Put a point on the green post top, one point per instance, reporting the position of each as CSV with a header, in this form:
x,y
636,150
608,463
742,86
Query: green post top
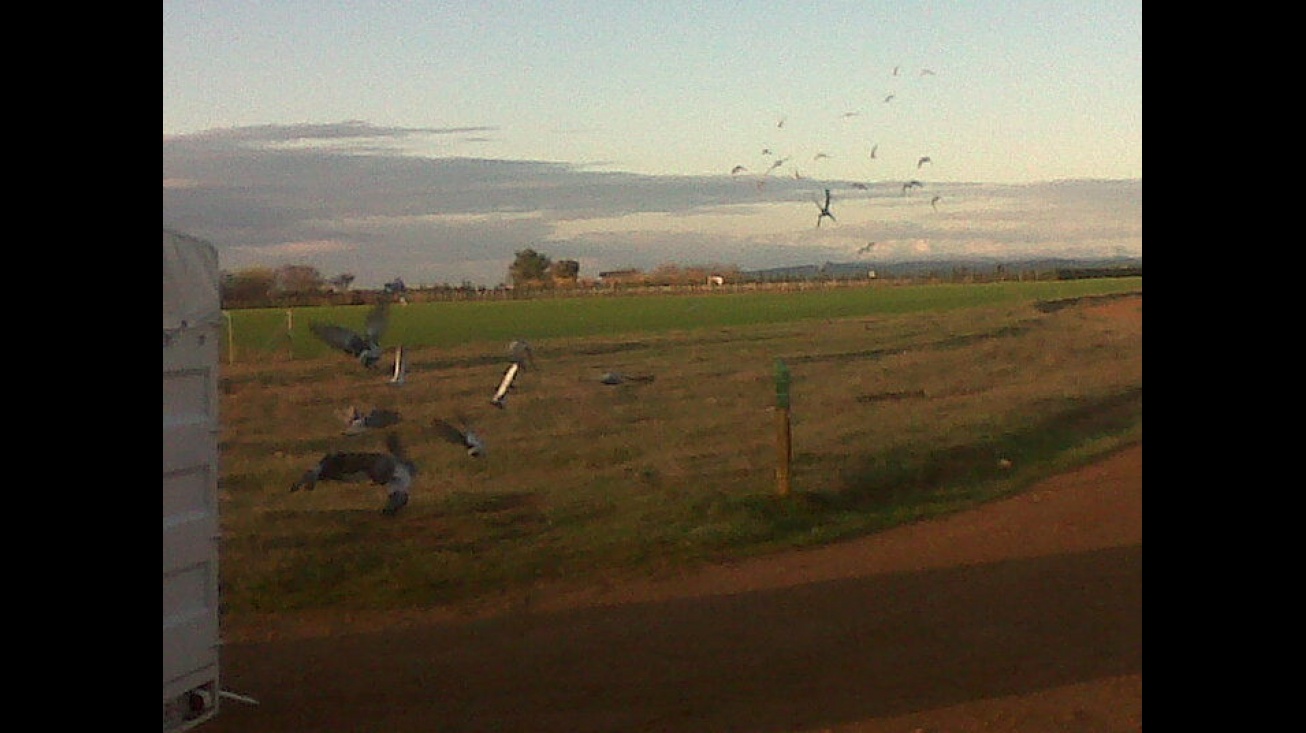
x,y
781,384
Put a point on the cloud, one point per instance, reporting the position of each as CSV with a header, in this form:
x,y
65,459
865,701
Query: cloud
x,y
350,197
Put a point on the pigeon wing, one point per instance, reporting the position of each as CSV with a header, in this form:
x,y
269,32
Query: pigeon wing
x,y
377,321
339,337
448,432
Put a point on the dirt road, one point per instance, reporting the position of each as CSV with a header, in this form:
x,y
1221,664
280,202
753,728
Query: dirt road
x,y
1022,615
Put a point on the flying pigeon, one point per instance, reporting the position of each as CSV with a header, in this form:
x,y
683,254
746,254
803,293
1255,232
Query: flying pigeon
x,y
934,201
737,170
401,367
865,248
874,148
825,210
459,436
910,185
505,384
615,378
393,470
357,421
366,346
890,97
923,160
519,352
859,186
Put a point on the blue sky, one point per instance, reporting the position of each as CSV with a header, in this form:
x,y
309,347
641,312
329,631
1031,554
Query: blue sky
x,y
432,140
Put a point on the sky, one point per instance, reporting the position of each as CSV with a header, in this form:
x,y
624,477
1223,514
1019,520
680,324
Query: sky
x,y
433,140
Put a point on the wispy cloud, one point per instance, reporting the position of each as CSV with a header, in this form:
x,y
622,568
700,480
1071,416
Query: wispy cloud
x,y
354,197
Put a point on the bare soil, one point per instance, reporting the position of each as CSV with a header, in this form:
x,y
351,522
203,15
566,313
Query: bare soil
x,y
1022,615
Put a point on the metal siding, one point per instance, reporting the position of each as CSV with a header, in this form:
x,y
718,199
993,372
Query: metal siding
x,y
190,511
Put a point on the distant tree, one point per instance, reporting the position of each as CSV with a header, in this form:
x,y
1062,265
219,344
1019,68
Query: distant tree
x,y
342,281
565,271
298,279
529,267
250,285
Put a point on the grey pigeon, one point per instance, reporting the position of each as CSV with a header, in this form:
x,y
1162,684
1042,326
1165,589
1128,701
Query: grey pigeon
x,y
615,378
358,421
459,436
393,470
366,347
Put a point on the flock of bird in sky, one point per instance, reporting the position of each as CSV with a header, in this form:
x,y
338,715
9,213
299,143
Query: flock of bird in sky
x,y
394,469
777,161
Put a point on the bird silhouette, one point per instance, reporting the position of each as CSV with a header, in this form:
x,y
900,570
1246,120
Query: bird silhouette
x,y
859,186
737,169
909,185
922,161
366,347
890,97
933,203
825,210
865,248
392,469
462,436
358,422
875,149
615,378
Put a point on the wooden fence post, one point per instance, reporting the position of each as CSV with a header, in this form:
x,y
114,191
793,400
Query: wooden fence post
x,y
784,447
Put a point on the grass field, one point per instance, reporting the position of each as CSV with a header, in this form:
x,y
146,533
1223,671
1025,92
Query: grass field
x,y
263,332
908,401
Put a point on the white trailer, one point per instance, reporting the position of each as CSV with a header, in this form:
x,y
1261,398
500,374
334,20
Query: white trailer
x,y
192,322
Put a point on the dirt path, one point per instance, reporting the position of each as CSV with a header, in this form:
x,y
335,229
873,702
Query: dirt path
x,y
1022,615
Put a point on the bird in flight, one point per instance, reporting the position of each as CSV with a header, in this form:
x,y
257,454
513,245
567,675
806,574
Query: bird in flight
x,y
909,185
874,149
737,170
820,155
401,367
927,72
825,210
859,186
357,422
459,436
934,201
865,248
890,97
923,160
366,347
393,470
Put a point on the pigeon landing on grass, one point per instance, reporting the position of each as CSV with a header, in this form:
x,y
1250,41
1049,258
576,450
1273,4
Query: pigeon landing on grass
x,y
519,355
366,347
401,367
358,422
462,436
615,378
393,470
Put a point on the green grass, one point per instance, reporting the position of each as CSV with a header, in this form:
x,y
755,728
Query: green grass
x,y
905,401
262,331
